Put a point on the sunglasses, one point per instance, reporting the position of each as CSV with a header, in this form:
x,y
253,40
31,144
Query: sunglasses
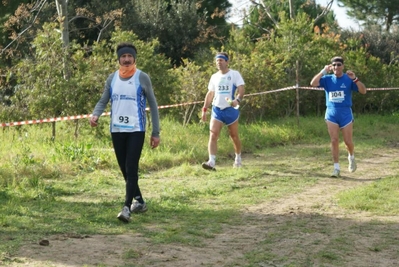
x,y
338,65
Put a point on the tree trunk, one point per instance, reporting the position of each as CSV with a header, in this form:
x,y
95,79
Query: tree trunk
x,y
292,13
62,11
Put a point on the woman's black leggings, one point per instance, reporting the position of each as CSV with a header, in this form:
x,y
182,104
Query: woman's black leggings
x,y
128,147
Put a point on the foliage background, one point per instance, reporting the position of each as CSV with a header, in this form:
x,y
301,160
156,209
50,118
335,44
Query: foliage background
x,y
43,75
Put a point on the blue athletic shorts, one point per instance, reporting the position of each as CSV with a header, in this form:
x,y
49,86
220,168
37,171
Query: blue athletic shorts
x,y
227,116
340,116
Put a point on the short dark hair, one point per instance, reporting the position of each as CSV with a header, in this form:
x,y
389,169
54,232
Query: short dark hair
x,y
339,59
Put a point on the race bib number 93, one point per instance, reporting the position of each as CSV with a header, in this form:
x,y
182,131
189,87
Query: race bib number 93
x,y
124,122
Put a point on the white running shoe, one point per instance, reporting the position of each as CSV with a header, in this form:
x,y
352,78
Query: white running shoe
x,y
352,165
124,215
209,166
137,207
237,163
336,173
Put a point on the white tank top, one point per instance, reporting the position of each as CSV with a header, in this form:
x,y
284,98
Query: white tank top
x,y
128,104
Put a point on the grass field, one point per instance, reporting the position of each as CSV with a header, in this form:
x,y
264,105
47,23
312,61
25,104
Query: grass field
x,y
280,209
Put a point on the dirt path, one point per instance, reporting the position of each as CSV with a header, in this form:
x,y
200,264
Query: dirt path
x,y
314,208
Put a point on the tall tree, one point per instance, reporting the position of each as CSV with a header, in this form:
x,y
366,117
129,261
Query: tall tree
x,y
74,23
6,10
83,21
181,26
373,12
265,15
382,45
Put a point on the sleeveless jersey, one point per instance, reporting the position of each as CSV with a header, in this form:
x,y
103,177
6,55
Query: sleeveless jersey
x,y
128,104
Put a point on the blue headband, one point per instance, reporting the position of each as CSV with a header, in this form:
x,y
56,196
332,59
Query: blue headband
x,y
126,50
222,56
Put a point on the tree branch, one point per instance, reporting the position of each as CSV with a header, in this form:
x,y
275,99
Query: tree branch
x,y
324,12
267,10
38,7
103,28
81,17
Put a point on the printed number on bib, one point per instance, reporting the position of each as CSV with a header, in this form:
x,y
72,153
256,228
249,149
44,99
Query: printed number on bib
x,y
124,119
336,96
126,122
223,87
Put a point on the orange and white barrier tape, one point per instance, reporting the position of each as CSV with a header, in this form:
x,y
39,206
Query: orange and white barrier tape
x,y
368,89
67,118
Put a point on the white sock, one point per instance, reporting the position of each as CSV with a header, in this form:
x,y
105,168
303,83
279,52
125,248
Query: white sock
x,y
212,159
336,166
238,156
351,156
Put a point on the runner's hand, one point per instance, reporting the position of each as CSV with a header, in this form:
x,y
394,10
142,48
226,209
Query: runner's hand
x,y
154,141
93,121
351,74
